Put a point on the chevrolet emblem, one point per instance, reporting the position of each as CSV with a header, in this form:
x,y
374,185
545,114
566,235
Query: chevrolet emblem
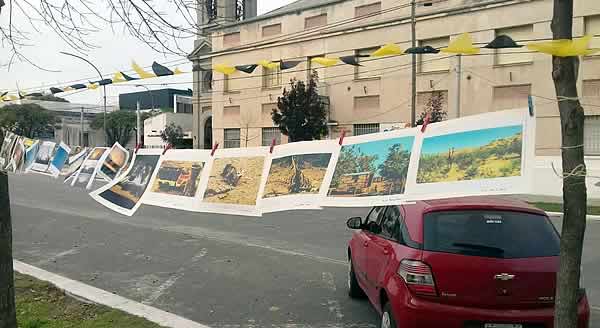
x,y
504,276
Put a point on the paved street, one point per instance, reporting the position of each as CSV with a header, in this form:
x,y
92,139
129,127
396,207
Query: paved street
x,y
281,270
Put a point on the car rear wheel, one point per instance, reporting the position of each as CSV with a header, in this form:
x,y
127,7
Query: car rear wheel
x,y
354,289
387,318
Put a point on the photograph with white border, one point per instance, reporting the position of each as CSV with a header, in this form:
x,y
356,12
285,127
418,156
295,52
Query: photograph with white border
x,y
87,172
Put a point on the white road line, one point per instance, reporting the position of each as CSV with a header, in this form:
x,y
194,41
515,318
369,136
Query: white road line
x,y
103,297
57,256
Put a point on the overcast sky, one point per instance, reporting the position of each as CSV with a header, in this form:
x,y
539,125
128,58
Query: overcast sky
x,y
115,52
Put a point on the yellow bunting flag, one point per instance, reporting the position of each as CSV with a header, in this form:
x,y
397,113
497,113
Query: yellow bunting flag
x,y
177,71
92,86
118,77
224,68
388,50
268,64
140,71
564,48
325,61
68,89
463,45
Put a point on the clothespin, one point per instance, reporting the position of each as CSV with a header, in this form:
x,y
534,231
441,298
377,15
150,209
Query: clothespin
x,y
167,147
341,141
426,122
530,104
214,149
137,147
272,146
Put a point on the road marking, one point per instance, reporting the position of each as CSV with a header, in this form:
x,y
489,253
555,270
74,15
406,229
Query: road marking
x,y
329,281
103,297
335,308
158,292
57,256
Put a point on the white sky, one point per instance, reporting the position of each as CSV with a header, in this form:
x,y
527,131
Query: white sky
x,y
114,53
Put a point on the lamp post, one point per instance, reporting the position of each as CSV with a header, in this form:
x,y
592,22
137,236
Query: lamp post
x,y
138,115
103,85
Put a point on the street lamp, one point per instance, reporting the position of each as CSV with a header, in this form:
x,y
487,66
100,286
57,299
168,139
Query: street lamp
x,y
103,85
137,112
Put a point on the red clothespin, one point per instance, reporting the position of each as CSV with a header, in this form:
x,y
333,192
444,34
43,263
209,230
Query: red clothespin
x,y
137,147
341,141
167,147
272,146
425,122
214,149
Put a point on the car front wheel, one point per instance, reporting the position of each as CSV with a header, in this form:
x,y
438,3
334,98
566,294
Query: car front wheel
x,y
387,318
354,289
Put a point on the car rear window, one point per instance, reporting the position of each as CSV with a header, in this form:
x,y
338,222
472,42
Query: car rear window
x,y
499,234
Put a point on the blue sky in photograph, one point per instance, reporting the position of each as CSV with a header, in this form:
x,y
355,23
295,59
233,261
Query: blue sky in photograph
x,y
468,139
60,157
380,147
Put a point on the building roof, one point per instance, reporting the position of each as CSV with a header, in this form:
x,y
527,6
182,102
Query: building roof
x,y
64,107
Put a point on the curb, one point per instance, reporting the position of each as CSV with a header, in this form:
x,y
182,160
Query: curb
x,y
589,217
99,296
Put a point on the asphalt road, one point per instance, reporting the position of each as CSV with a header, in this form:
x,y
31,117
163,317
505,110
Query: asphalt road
x,y
284,269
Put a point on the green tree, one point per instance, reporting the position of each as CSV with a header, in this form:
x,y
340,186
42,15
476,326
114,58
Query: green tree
x,y
172,134
29,120
435,106
300,114
395,166
346,163
120,125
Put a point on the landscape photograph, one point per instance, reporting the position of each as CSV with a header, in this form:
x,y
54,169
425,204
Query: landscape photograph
x,y
96,153
471,155
296,174
235,180
374,168
116,159
179,178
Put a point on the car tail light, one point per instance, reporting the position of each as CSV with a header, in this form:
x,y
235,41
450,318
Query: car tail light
x,y
418,277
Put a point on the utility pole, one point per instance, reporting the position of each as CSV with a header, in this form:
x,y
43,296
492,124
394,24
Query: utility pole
x,y
413,99
81,134
138,125
458,70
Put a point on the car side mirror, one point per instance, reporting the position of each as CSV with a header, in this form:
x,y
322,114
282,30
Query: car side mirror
x,y
354,222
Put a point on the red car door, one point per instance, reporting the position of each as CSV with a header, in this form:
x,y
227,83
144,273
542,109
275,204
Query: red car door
x,y
380,249
362,242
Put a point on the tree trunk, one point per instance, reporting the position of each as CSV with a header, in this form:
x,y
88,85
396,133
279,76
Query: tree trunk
x,y
7,290
564,74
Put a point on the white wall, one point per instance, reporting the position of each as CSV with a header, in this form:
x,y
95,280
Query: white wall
x,y
547,182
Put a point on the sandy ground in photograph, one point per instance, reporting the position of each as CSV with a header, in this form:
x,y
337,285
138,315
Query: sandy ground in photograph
x,y
278,182
245,192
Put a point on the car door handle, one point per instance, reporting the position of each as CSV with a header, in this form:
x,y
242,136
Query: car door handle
x,y
386,251
366,244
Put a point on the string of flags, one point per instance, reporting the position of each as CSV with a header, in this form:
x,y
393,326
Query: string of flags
x,y
461,45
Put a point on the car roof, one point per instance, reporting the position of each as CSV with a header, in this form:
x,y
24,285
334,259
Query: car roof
x,y
413,212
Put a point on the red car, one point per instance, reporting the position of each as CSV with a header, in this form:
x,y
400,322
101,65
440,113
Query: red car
x,y
474,262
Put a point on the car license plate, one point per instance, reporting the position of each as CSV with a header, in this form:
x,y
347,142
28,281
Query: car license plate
x,y
502,325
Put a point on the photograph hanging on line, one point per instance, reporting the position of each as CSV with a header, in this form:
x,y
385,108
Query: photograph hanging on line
x,y
16,161
61,155
44,156
87,172
7,148
373,168
31,150
296,174
234,180
471,155
178,178
116,159
128,191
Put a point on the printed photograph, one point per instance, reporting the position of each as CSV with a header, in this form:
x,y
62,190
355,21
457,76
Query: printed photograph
x,y
127,192
7,148
471,155
296,174
179,178
116,159
375,168
86,173
30,154
45,153
235,180
60,158
96,153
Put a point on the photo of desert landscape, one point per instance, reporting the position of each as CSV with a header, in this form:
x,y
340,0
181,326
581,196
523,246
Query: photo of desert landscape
x,y
96,154
296,174
235,180
471,155
374,168
179,178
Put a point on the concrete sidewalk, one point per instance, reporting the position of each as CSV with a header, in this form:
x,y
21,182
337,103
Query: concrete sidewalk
x,y
554,199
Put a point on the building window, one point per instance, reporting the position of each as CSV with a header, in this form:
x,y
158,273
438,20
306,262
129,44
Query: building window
x,y
434,62
361,72
315,21
232,138
429,99
271,77
516,55
231,39
207,81
591,135
225,83
592,27
360,129
271,30
511,97
183,108
366,103
268,134
369,9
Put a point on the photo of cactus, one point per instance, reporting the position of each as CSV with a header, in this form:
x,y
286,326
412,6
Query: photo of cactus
x,y
374,168
471,155
296,174
235,180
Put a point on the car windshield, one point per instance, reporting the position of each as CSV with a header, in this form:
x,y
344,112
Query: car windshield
x,y
499,234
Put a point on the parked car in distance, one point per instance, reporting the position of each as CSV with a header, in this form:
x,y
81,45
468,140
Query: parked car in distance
x,y
473,262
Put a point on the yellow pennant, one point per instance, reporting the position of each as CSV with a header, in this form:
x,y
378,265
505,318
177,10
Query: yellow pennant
x,y
177,71
68,89
325,61
564,48
224,68
268,64
118,77
463,45
92,86
140,71
388,50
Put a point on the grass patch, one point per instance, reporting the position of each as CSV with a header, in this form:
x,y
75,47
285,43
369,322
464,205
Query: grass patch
x,y
41,305
557,207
